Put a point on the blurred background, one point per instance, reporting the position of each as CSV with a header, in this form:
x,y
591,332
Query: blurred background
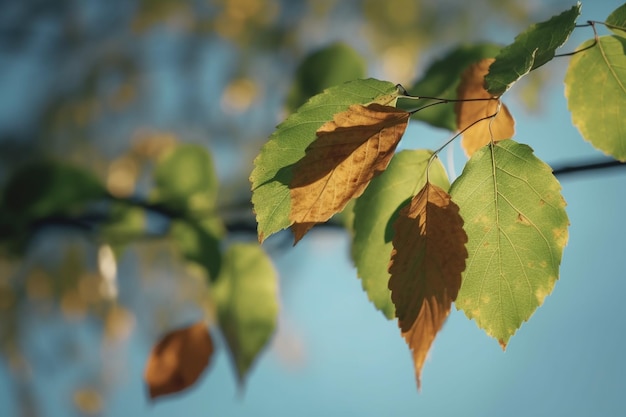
x,y
107,85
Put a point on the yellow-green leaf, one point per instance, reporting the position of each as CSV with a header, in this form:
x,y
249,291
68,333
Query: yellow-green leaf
x,y
516,226
595,88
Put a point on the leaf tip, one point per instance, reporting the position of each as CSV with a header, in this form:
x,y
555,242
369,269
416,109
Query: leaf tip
x,y
502,344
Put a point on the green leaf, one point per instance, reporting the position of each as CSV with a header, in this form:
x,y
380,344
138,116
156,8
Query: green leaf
x,y
530,50
186,182
185,179
332,65
246,296
595,88
124,224
44,189
47,187
516,225
616,21
375,212
199,242
273,167
442,79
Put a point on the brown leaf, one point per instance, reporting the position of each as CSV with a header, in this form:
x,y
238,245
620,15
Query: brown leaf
x,y
426,265
500,127
178,359
349,151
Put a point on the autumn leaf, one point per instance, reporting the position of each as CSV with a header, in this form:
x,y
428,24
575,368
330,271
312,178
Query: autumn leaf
x,y
349,151
178,359
426,266
273,167
468,113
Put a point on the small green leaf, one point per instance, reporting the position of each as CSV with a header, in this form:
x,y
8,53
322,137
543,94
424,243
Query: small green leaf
x,y
375,212
332,65
185,179
595,88
531,49
442,79
273,167
186,182
616,21
246,296
199,242
516,225
124,224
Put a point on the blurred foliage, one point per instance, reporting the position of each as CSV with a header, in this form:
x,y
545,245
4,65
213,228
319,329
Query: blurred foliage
x,y
98,97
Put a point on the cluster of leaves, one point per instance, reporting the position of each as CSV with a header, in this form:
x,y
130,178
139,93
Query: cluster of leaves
x,y
243,285
492,241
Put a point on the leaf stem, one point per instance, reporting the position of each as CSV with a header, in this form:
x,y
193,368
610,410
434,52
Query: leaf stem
x,y
591,23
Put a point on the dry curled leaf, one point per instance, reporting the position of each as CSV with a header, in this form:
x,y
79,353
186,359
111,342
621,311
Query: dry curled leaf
x,y
349,151
426,265
178,359
497,128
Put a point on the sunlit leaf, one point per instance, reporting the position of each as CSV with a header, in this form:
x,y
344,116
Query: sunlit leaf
x,y
332,65
374,214
178,359
273,167
468,113
595,88
441,80
349,151
516,225
531,49
246,295
617,21
426,265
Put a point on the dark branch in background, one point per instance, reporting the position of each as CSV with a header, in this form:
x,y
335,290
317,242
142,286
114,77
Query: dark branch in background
x,y
566,170
89,222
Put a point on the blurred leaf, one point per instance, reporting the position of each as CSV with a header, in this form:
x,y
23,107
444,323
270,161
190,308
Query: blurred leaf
x,y
124,224
349,151
44,189
617,21
246,296
273,167
185,180
516,226
376,210
441,80
498,124
199,242
595,88
426,264
335,64
178,360
531,49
